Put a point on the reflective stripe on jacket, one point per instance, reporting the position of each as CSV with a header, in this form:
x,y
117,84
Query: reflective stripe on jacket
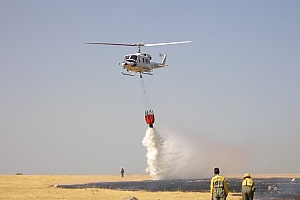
x,y
218,181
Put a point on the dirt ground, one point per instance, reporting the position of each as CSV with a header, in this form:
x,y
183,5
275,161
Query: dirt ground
x,y
44,187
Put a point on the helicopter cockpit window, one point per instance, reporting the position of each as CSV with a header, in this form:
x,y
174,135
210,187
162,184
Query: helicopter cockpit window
x,y
133,57
126,57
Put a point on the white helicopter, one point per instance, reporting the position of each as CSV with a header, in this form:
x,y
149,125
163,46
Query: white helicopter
x,y
140,62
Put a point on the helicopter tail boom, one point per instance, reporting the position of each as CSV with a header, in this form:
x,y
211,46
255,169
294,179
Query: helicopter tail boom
x,y
159,65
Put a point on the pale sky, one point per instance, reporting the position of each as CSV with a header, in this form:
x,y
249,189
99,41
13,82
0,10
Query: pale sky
x,y
65,108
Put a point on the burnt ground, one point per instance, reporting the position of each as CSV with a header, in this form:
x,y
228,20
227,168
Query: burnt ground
x,y
266,188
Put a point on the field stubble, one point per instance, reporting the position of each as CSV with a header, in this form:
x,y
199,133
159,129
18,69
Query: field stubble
x,y
43,187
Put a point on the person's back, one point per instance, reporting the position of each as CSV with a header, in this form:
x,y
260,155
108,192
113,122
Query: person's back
x,y
218,186
248,187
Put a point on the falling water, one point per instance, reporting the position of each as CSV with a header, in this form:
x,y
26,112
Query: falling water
x,y
163,156
172,155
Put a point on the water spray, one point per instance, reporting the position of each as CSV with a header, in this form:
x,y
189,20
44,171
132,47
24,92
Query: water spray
x,y
164,156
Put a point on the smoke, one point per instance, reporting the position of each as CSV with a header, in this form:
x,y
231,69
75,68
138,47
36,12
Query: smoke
x,y
172,156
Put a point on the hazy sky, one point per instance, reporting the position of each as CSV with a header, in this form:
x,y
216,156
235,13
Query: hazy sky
x,y
231,96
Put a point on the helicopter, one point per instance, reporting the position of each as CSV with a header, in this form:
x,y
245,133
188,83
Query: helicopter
x,y
140,62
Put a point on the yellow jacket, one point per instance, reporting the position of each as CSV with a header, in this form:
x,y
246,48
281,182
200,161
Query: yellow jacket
x,y
218,181
248,182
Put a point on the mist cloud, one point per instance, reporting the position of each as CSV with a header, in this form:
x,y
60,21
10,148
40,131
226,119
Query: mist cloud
x,y
173,155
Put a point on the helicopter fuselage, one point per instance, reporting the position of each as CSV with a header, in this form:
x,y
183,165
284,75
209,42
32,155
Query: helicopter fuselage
x,y
140,62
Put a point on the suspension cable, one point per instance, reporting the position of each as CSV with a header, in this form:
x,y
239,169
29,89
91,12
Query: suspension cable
x,y
146,99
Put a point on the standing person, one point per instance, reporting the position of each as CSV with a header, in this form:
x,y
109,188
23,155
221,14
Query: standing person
x,y
248,187
218,186
122,171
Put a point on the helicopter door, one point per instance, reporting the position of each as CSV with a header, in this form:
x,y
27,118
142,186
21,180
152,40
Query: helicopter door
x,y
144,62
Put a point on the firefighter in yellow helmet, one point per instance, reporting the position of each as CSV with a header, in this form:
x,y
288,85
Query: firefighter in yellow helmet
x,y
218,186
248,187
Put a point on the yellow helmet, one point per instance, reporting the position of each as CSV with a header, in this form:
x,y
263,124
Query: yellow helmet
x,y
247,175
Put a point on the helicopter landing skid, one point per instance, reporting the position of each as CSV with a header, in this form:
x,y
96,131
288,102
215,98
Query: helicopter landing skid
x,y
148,73
125,74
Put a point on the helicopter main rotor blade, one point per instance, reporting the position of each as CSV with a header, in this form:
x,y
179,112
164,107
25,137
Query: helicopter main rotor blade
x,y
139,45
115,44
166,43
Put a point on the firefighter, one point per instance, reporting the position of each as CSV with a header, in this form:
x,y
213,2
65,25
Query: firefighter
x,y
248,187
122,171
218,186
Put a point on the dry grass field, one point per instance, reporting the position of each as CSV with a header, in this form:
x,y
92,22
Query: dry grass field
x,y
42,187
